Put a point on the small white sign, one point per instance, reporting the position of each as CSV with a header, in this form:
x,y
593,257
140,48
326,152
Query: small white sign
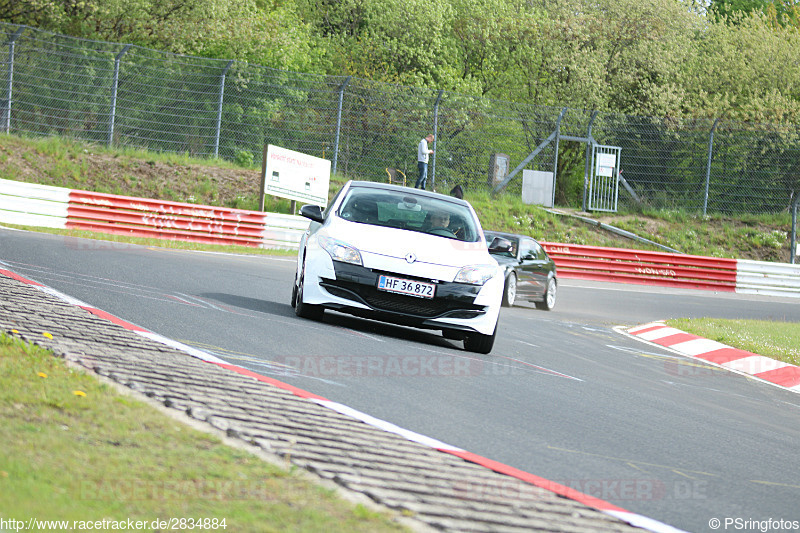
x,y
605,171
606,164
297,176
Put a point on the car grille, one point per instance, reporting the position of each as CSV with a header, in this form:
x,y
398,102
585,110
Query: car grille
x,y
399,303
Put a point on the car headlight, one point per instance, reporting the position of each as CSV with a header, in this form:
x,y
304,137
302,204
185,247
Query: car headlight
x,y
340,251
476,274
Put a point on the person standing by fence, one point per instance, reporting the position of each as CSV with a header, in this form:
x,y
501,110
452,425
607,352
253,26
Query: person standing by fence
x,y
422,160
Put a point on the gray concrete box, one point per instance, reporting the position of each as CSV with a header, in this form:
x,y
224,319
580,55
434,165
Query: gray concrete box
x,y
537,188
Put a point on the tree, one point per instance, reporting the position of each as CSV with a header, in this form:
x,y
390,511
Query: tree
x,y
784,13
729,10
485,34
247,30
747,70
402,41
607,54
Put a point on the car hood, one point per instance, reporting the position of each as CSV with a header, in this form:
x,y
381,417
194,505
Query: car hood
x,y
398,243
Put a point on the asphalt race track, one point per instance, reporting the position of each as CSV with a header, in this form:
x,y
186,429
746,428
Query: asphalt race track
x,y
562,395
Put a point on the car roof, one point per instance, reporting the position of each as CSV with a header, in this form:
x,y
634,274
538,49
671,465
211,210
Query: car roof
x,y
407,190
504,234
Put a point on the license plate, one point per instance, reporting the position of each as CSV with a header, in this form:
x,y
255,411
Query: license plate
x,y
406,286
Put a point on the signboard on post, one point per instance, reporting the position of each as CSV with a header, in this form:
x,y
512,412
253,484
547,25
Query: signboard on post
x,y
297,176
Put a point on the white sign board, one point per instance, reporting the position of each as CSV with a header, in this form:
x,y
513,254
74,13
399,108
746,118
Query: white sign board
x,y
606,164
297,176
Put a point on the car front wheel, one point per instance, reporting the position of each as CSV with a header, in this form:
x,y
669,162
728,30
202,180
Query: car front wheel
x,y
302,309
549,301
480,343
510,290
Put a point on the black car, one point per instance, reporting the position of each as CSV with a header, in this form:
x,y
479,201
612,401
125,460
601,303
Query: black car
x,y
530,273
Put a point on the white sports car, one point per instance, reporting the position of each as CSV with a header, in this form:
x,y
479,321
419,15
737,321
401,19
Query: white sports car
x,y
400,255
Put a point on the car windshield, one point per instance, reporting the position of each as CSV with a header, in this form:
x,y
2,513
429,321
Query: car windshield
x,y
409,211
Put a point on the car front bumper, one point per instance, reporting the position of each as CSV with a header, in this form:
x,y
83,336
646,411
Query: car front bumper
x,y
353,289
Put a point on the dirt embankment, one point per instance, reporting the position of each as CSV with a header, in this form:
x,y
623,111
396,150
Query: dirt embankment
x,y
78,167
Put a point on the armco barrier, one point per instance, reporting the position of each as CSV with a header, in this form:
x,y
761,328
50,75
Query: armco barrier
x,y
29,204
770,279
643,267
164,220
55,207
44,206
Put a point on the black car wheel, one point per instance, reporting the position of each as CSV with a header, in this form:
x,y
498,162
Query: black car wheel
x,y
549,301
480,343
510,290
304,310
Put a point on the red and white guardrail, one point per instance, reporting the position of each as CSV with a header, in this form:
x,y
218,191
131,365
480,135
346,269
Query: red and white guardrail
x,y
674,270
56,207
643,267
44,206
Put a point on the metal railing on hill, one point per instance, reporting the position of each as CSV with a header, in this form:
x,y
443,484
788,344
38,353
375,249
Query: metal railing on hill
x,y
122,95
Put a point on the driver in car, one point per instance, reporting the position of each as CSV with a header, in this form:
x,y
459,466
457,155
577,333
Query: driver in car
x,y
440,220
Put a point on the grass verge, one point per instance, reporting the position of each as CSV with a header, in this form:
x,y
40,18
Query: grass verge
x,y
68,163
75,449
777,340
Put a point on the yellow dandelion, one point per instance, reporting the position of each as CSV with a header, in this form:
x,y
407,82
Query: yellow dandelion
x,y
42,375
49,336
14,331
78,393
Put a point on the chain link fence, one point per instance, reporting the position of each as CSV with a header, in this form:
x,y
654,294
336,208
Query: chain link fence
x,y
121,95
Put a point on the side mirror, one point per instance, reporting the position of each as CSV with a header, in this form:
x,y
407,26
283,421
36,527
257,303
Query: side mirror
x,y
500,245
313,212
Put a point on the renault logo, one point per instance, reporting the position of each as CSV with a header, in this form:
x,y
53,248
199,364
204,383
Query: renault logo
x,y
410,258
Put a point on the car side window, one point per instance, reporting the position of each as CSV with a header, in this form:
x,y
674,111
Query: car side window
x,y
537,250
525,252
531,250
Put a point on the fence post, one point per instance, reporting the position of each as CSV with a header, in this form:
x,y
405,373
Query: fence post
x,y
793,245
219,108
587,166
7,110
338,124
555,158
112,117
435,137
708,166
